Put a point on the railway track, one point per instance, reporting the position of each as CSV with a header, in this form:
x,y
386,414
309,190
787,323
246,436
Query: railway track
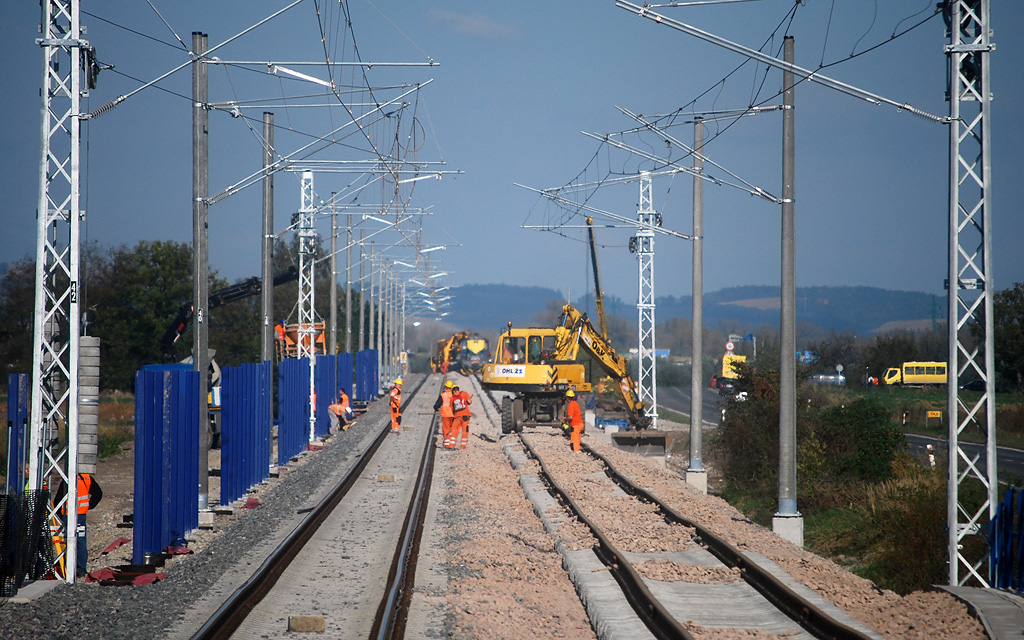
x,y
769,602
320,549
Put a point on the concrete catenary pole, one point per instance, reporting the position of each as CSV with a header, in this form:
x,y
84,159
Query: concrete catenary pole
x,y
348,285
788,522
200,255
363,308
333,348
696,475
267,292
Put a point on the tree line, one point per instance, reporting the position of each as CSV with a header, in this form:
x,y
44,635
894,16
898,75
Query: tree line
x,y
132,295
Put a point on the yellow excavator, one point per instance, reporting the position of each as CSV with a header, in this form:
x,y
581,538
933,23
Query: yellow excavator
x,y
539,364
447,352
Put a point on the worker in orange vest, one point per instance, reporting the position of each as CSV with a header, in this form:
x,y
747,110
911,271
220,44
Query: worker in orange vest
x,y
342,410
89,495
574,418
443,405
396,405
460,422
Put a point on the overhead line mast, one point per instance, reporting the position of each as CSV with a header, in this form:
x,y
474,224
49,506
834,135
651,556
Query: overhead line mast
x,y
56,323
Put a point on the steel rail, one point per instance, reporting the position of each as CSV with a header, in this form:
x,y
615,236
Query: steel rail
x,y
226,620
651,611
392,614
799,609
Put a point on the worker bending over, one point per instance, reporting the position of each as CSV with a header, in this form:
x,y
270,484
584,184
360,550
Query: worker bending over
x,y
443,405
342,410
396,405
574,418
460,422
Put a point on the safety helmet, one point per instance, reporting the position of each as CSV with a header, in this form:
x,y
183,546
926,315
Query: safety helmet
x,y
570,394
398,381
449,384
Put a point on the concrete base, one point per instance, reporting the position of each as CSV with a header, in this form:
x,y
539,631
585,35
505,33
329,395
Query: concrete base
x,y
205,519
789,527
698,480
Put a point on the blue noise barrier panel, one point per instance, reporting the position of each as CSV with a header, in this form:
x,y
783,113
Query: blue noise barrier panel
x,y
367,377
346,372
1007,542
166,458
326,392
292,408
18,398
245,432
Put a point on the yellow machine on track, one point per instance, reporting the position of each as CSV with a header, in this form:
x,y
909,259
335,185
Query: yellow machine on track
x,y
538,365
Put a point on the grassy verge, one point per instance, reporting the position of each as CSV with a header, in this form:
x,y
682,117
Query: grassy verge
x,y
116,422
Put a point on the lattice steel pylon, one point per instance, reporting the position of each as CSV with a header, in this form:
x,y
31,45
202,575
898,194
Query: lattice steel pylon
x,y
970,284
643,245
307,289
56,323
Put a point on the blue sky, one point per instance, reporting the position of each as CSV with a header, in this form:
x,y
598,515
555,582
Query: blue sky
x,y
516,85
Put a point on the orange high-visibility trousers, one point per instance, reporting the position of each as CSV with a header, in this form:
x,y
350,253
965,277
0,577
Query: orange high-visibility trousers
x,y
396,417
575,436
448,431
461,431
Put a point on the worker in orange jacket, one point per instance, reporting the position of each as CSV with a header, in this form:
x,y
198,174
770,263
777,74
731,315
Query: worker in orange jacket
x,y
396,405
574,418
460,422
89,495
342,410
443,405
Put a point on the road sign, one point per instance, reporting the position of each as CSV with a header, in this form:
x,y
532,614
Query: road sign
x,y
729,346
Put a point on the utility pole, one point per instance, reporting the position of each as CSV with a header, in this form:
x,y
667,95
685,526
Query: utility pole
x,y
696,475
56,328
970,285
363,342
201,255
267,291
788,522
333,350
348,285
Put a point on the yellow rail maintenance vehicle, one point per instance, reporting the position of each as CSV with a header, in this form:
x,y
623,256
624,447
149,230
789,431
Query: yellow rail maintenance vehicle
x,y
917,374
539,364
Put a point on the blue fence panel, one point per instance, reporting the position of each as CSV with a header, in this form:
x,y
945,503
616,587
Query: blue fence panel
x,y
367,379
292,408
1007,542
18,398
326,392
346,364
166,458
245,433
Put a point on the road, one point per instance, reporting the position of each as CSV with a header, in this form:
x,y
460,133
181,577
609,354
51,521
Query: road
x,y
1010,461
678,399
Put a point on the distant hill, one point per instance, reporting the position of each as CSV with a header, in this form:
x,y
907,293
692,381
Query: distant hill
x,y
859,310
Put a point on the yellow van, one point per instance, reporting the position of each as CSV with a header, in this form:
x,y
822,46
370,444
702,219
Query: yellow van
x,y
917,373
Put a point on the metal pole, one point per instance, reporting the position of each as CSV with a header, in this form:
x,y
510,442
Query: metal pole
x,y
402,328
696,475
333,347
348,286
363,343
788,522
267,292
380,318
200,254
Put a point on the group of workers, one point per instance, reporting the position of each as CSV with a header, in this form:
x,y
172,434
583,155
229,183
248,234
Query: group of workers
x,y
453,405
